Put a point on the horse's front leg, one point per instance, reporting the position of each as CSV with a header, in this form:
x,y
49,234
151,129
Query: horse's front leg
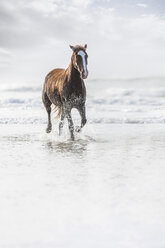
x,y
82,113
61,124
70,123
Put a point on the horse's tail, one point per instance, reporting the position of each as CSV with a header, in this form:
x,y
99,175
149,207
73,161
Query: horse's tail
x,y
56,110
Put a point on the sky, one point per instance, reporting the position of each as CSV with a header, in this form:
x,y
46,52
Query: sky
x,y
125,38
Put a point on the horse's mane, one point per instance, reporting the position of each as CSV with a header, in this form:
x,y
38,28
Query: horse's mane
x,y
78,48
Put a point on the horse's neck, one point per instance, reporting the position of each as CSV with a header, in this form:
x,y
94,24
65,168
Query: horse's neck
x,y
74,75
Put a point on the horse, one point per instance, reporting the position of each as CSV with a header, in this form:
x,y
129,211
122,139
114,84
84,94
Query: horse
x,y
65,89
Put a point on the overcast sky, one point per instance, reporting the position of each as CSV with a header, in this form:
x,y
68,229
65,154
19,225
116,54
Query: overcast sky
x,y
125,38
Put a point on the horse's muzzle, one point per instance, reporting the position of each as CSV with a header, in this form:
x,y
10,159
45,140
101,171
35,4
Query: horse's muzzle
x,y
84,74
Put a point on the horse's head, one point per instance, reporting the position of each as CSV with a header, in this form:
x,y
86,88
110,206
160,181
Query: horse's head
x,y
80,60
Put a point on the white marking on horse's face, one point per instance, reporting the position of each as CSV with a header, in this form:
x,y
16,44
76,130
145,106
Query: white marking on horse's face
x,y
82,54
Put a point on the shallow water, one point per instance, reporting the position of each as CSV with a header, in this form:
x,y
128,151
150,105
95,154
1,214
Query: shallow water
x,y
95,192
106,189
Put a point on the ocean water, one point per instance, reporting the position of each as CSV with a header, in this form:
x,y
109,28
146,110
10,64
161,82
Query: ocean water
x,y
105,189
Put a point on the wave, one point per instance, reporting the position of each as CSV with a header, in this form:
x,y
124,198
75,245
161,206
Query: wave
x,y
19,88
143,82
20,103
37,120
110,96
111,101
24,120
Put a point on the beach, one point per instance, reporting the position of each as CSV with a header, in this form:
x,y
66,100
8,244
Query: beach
x,y
105,189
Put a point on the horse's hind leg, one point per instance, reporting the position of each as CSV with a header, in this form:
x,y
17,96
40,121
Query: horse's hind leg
x,y
47,103
82,113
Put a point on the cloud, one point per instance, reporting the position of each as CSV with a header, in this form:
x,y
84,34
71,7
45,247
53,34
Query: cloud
x,y
142,5
5,57
38,32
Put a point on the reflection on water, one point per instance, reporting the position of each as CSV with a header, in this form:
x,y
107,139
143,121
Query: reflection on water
x,y
18,138
73,147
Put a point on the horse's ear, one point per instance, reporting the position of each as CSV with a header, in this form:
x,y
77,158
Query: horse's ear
x,y
72,47
85,46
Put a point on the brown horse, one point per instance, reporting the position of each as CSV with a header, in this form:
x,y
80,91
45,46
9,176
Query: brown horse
x,y
65,89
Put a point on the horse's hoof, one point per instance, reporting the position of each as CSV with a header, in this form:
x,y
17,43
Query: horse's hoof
x,y
77,129
48,130
72,138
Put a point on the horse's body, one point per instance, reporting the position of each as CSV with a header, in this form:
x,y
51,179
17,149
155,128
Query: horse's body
x,y
65,89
